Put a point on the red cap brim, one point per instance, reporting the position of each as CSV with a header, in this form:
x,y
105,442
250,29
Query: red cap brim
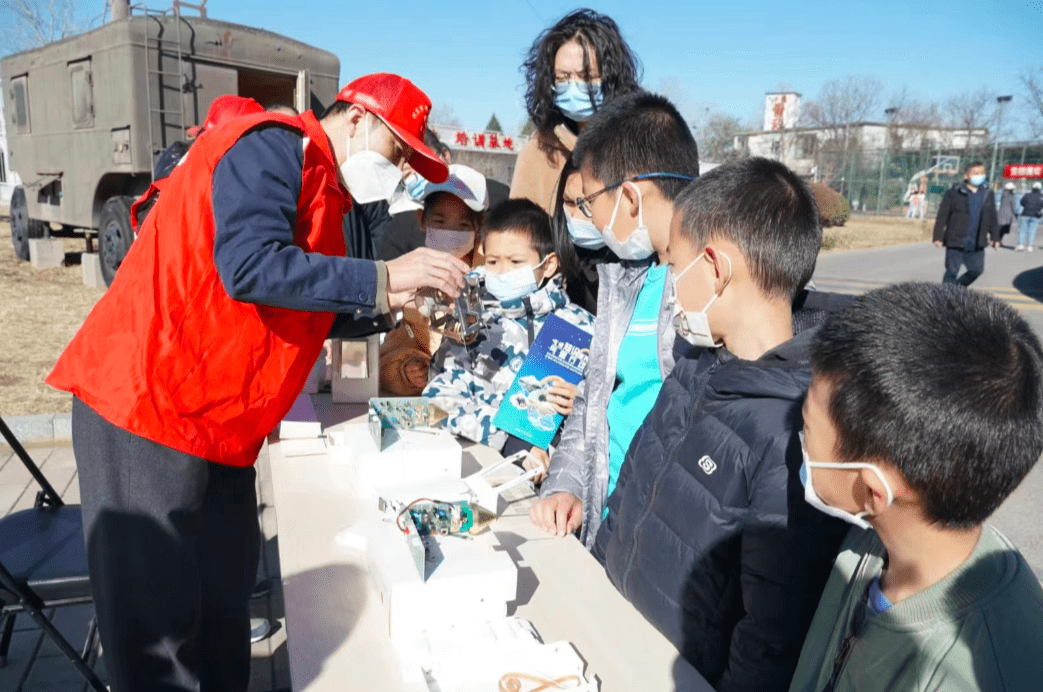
x,y
423,161
194,131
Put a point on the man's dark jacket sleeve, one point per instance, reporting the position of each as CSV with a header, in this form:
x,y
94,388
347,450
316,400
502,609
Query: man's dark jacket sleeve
x,y
256,186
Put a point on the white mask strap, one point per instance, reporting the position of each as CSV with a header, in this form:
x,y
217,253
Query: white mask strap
x,y
850,466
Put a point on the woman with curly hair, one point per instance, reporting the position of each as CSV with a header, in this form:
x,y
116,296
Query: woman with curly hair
x,y
572,69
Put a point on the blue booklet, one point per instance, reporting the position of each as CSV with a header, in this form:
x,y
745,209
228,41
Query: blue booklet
x,y
559,351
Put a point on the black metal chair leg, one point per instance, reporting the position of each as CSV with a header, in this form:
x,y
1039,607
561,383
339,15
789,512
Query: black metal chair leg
x,y
90,648
5,637
48,627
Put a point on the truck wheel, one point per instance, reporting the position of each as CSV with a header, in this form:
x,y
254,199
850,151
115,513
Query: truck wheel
x,y
114,236
22,227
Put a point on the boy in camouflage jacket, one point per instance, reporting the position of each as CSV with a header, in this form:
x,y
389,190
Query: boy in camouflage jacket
x,y
522,286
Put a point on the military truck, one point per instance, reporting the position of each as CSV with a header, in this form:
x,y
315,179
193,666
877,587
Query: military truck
x,y
89,115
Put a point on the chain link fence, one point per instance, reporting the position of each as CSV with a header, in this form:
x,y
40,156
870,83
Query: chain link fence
x,y
878,181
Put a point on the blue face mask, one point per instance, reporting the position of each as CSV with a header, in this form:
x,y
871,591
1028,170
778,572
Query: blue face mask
x,y
415,185
514,284
578,100
584,233
977,180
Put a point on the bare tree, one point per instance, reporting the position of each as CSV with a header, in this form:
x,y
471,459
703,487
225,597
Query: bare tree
x,y
32,23
841,103
912,121
1032,90
717,137
444,114
844,101
971,110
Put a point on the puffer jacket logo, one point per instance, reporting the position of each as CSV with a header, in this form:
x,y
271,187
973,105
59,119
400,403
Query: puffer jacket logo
x,y
707,465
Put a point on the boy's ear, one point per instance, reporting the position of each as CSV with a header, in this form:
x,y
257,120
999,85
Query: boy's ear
x,y
875,500
630,203
551,265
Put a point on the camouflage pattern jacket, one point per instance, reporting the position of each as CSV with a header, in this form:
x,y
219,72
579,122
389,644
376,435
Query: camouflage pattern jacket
x,y
469,381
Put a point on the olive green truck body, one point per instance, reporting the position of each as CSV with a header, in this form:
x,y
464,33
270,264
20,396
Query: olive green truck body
x,y
88,116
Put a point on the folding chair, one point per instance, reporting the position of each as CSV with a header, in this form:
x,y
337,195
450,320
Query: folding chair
x,y
43,565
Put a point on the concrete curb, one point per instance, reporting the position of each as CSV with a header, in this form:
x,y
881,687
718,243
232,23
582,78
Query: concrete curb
x,y
45,427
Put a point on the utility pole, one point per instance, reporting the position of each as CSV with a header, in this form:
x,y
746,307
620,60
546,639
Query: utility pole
x,y
890,113
120,10
1000,100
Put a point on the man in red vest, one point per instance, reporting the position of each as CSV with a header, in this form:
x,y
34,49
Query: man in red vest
x,y
198,350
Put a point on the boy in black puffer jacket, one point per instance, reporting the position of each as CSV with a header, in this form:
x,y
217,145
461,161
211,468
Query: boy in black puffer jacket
x,y
707,533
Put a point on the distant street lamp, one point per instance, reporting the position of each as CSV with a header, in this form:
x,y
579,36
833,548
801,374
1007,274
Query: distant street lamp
x,y
890,113
999,124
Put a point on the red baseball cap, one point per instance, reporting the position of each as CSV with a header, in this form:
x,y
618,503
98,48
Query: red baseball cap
x,y
223,109
404,108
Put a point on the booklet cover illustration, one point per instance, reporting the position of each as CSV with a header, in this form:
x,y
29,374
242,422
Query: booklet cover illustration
x,y
559,351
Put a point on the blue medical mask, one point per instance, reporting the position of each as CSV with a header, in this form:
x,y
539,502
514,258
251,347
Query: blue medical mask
x,y
414,184
977,180
584,233
578,100
513,284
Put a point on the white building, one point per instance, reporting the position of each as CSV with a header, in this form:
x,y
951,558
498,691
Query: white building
x,y
8,178
802,148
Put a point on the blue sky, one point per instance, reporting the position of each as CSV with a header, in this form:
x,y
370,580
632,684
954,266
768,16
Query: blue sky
x,y
721,55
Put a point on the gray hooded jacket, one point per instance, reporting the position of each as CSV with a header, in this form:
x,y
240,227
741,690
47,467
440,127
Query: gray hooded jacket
x,y
579,465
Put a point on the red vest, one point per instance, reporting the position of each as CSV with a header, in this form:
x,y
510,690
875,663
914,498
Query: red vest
x,y
166,353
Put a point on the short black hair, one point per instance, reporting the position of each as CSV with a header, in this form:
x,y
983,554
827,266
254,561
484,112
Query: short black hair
x,y
942,383
974,164
433,142
767,211
638,133
522,216
283,106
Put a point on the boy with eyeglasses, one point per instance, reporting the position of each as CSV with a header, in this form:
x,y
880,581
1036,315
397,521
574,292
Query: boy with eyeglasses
x,y
635,155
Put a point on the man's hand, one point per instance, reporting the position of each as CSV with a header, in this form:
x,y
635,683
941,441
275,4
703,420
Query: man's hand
x,y
537,459
424,267
559,514
937,243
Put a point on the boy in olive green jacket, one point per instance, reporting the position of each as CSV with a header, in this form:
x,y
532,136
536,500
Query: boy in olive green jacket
x,y
925,412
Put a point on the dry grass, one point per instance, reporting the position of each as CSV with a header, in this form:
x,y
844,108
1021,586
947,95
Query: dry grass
x,y
864,232
40,310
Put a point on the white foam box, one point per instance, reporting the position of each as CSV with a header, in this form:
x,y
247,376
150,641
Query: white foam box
x,y
46,253
90,262
468,582
415,456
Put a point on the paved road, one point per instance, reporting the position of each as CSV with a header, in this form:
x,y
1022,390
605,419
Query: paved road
x,y
1016,277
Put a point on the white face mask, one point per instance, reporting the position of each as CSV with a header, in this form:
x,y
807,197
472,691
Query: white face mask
x,y
638,245
815,501
584,233
513,284
694,327
369,176
456,243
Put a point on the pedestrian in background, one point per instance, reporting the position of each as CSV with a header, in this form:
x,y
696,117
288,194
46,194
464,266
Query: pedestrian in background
x,y
1007,213
1031,211
966,222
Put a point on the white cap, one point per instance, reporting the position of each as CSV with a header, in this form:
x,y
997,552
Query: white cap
x,y
464,182
1037,185
1008,186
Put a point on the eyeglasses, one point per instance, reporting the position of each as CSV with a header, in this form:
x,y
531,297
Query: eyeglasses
x,y
584,202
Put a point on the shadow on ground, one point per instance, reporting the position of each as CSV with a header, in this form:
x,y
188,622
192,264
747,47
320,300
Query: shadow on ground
x,y
1030,283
